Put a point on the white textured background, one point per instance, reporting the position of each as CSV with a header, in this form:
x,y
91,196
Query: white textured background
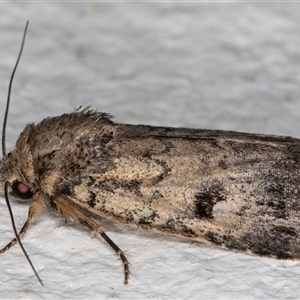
x,y
232,66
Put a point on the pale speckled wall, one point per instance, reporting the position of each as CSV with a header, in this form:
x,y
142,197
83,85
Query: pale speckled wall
x,y
232,66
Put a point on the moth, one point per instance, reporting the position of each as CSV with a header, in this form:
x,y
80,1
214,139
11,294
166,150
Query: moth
x,y
236,190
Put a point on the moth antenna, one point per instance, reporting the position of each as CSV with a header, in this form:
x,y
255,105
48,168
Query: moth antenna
x,y
9,91
16,232
4,153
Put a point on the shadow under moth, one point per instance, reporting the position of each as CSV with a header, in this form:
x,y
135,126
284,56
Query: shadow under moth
x,y
236,190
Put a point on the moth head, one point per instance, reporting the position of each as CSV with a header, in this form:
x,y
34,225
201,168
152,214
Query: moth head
x,y
19,187
16,168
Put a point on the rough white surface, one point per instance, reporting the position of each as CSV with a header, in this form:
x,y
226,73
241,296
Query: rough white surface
x,y
232,66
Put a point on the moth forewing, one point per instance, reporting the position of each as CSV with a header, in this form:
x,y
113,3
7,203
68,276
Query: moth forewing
x,y
236,190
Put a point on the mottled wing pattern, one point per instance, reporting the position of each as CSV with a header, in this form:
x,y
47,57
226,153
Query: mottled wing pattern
x,y
235,190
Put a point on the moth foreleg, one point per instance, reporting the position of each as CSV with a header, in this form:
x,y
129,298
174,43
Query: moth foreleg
x,y
35,209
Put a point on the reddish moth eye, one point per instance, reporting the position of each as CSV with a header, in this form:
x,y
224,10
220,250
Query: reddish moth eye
x,y
21,190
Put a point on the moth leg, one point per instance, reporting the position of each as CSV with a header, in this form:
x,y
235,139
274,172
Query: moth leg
x,y
35,209
69,211
94,227
119,253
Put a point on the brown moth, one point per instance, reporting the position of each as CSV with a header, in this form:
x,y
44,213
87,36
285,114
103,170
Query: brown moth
x,y
236,190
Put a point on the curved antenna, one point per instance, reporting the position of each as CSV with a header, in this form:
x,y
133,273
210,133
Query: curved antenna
x,y
4,153
16,232
9,91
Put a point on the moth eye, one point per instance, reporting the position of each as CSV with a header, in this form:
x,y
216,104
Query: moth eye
x,y
21,190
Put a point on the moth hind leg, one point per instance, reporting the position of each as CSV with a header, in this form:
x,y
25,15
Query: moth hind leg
x,y
120,253
94,227
70,212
